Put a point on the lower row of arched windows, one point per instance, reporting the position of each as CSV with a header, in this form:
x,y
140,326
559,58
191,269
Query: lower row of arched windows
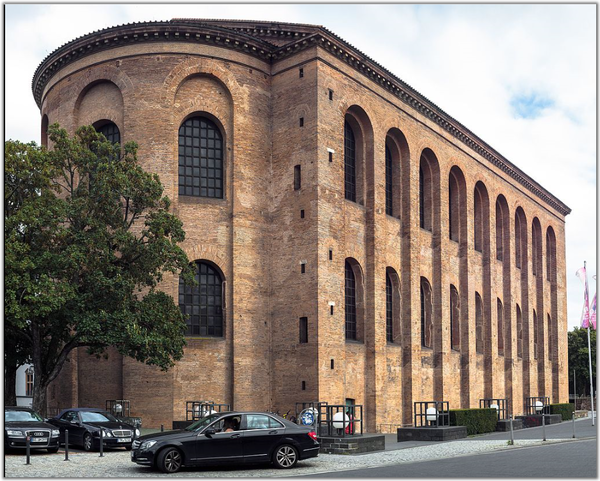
x,y
203,308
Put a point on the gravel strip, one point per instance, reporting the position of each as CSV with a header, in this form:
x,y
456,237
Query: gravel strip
x,y
117,464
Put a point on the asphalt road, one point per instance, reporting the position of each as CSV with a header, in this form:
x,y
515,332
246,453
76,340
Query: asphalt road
x,y
574,459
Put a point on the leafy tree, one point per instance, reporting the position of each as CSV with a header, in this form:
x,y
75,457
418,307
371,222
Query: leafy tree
x,y
88,238
579,360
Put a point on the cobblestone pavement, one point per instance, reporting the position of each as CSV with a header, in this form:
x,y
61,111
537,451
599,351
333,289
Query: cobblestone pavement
x,y
117,464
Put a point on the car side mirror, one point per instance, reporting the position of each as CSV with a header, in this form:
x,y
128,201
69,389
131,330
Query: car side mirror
x,y
209,432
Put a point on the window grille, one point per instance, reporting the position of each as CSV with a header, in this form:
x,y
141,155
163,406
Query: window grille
x,y
349,163
200,159
203,303
389,310
389,191
350,303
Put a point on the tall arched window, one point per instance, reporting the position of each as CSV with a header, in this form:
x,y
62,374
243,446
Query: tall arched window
x,y
479,219
500,315
520,239
203,303
478,324
428,175
200,159
389,309
350,295
536,246
550,255
389,182
45,131
519,332
454,319
501,228
426,322
111,132
349,163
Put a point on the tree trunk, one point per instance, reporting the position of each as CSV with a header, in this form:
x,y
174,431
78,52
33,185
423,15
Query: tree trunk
x,y
39,397
10,384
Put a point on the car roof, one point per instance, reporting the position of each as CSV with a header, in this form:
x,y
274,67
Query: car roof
x,y
93,410
17,408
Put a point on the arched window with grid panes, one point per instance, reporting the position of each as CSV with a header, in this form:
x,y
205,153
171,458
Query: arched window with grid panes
x,y
389,309
349,163
110,131
202,304
350,302
200,158
389,182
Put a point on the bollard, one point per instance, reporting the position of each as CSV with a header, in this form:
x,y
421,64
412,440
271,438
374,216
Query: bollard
x,y
512,441
28,449
573,424
544,425
162,428
101,443
66,444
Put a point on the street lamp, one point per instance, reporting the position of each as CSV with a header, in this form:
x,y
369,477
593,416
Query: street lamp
x,y
539,405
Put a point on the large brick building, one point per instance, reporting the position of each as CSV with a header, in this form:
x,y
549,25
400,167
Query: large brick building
x,y
353,241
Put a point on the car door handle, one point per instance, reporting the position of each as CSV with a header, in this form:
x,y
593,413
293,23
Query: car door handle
x,y
274,432
234,436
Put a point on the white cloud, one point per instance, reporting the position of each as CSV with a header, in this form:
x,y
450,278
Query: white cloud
x,y
469,59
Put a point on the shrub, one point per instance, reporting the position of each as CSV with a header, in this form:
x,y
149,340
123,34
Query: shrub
x,y
566,410
475,420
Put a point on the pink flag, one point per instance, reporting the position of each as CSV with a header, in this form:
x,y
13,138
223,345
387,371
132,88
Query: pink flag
x,y
593,312
585,314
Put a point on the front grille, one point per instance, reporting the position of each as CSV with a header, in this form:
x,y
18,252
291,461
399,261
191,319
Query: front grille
x,y
122,433
38,434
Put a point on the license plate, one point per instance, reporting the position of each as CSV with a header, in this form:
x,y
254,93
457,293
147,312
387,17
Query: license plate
x,y
124,440
39,440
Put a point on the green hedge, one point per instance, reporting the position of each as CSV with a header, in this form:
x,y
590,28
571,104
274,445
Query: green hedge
x,y
566,410
475,420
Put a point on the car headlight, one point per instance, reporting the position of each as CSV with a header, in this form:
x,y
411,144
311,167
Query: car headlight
x,y
14,433
147,445
55,433
107,433
137,433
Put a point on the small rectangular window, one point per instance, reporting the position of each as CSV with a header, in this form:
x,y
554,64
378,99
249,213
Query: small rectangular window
x,y
331,310
297,177
303,324
302,213
301,121
302,268
301,72
330,156
304,385
330,254
330,94
332,364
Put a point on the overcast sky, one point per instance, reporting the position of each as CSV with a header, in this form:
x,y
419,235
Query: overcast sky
x,y
521,77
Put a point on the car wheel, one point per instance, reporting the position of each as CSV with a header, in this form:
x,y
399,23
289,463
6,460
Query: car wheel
x,y
88,443
169,460
285,457
53,450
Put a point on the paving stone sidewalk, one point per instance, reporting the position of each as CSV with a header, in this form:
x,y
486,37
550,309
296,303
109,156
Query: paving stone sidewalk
x,y
117,464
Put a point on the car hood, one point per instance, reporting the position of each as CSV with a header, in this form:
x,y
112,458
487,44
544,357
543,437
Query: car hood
x,y
27,425
111,425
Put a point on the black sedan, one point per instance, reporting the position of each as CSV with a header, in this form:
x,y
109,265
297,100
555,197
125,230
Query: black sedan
x,y
20,422
85,426
229,437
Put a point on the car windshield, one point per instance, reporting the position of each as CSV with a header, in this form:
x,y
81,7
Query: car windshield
x,y
95,417
203,422
26,416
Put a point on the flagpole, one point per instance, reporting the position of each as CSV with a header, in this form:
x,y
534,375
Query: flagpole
x,y
590,359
